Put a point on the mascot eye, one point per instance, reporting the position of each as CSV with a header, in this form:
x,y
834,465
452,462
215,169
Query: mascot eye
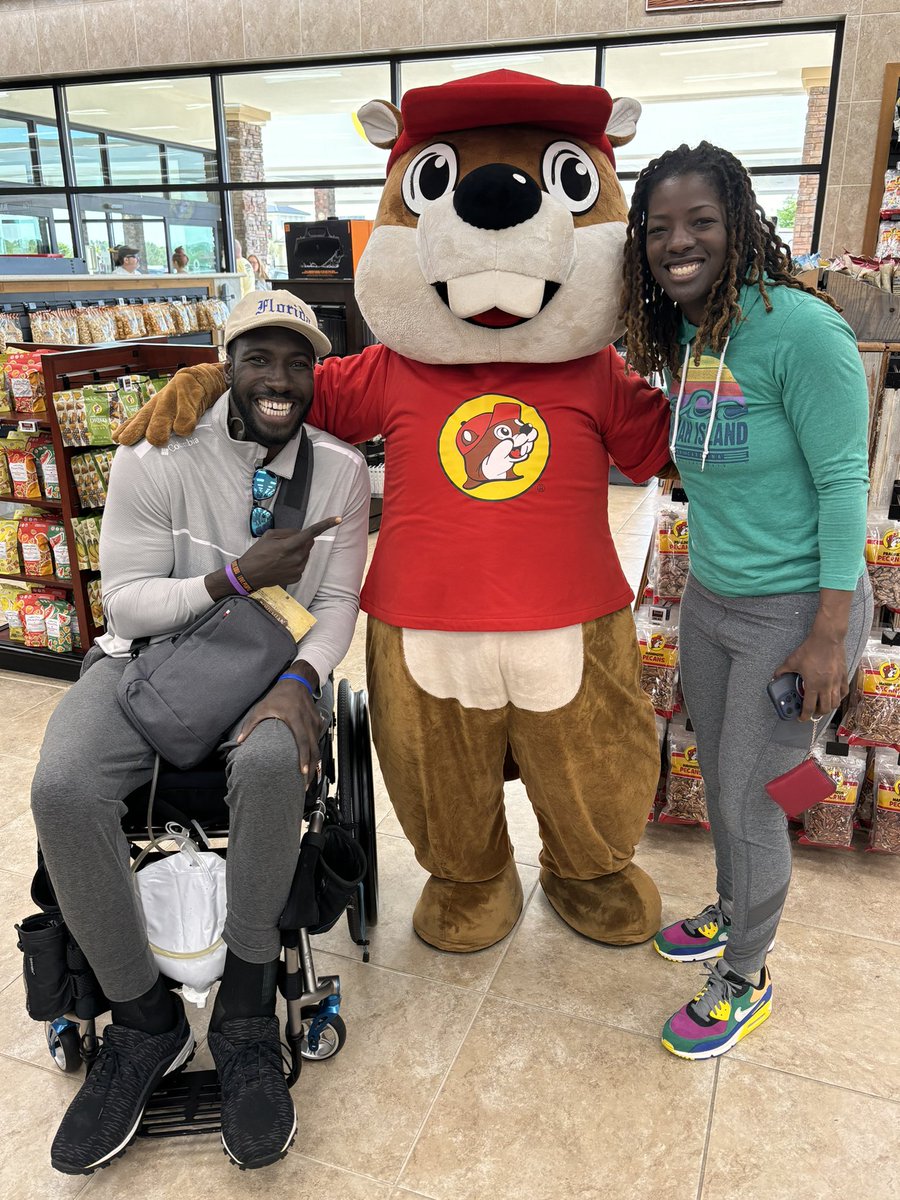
x,y
502,432
570,176
430,175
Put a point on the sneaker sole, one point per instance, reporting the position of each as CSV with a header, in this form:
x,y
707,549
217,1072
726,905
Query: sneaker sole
x,y
269,1159
762,1014
185,1054
701,955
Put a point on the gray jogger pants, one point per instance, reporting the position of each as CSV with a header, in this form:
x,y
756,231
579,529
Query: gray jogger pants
x,y
729,647
92,758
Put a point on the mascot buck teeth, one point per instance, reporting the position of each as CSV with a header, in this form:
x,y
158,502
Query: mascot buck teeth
x,y
492,282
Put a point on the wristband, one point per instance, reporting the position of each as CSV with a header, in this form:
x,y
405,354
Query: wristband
x,y
235,582
241,577
300,679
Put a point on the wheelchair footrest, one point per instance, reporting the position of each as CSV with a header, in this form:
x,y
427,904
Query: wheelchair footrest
x,y
188,1103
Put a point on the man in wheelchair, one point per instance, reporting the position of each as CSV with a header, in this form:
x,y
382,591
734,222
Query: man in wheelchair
x,y
185,526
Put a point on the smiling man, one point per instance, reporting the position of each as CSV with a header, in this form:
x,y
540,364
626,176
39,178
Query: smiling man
x,y
185,525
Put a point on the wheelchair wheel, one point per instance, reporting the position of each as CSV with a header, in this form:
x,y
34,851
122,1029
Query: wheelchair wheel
x,y
331,1040
356,789
64,1044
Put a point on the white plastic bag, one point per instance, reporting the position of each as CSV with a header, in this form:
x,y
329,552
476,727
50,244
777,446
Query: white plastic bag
x,y
183,897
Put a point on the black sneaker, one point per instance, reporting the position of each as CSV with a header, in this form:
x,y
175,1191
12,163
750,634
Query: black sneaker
x,y
259,1121
103,1119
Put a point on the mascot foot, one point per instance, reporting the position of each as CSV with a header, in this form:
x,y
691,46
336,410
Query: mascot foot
x,y
462,917
620,909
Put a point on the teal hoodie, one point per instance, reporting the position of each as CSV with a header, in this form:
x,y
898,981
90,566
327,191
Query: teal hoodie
x,y
770,440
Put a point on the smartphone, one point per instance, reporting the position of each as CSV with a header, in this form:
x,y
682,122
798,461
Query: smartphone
x,y
786,694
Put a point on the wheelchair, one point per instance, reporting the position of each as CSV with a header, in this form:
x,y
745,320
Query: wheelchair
x,y
339,802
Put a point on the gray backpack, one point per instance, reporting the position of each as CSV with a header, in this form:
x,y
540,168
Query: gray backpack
x,y
185,693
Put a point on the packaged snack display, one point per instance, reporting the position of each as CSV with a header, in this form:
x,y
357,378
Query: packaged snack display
x,y
87,542
685,793
184,316
33,622
158,319
45,457
59,547
96,325
5,479
57,326
211,314
659,664
101,406
10,329
95,600
23,472
10,562
873,716
58,616
25,379
129,322
10,607
885,835
672,562
883,560
831,822
867,791
37,557
91,473
72,417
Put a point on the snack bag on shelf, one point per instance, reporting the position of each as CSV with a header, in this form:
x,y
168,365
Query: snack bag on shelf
x,y
672,561
867,790
37,558
96,324
685,793
181,312
129,322
72,417
59,547
23,472
11,595
99,401
873,715
885,835
158,320
662,726
56,325
10,329
45,456
883,560
130,395
58,621
891,200
659,664
95,600
34,625
5,478
831,823
91,474
25,378
10,562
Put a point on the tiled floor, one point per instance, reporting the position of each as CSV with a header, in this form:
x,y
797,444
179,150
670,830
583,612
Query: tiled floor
x,y
531,1071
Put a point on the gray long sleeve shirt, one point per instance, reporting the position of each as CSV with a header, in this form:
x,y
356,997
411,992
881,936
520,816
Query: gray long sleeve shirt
x,y
176,514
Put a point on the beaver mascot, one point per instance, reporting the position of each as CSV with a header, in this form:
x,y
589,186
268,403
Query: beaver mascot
x,y
499,617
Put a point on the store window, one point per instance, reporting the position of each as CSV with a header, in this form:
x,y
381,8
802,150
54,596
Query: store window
x,y
136,120
200,243
29,143
259,216
35,225
562,66
285,125
154,224
750,94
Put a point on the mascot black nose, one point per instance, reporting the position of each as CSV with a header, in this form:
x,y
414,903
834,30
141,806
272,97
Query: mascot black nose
x,y
497,196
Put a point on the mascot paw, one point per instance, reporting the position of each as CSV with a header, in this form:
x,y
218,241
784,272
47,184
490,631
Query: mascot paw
x,y
621,909
462,917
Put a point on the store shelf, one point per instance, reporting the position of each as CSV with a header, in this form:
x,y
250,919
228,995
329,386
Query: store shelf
x,y
53,505
9,416
43,580
14,656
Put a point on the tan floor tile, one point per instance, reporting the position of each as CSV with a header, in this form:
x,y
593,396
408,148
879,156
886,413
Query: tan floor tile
x,y
835,890
21,734
15,786
32,1104
24,691
548,1107
162,1169
680,860
20,1037
394,944
777,1136
15,903
830,990
402,1035
20,845
631,987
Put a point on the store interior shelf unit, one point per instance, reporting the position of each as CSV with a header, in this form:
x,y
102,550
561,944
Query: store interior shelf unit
x,y
62,371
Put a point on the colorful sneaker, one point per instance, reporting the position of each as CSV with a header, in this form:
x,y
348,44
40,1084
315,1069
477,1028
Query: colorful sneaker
x,y
726,1009
259,1121
103,1119
696,938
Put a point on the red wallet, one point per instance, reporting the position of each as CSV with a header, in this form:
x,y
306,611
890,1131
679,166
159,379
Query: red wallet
x,y
801,787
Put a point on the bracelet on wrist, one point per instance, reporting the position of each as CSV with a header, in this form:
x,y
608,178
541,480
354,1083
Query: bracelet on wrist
x,y
300,679
235,582
241,577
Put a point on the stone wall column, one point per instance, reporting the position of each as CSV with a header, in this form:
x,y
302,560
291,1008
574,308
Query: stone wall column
x,y
817,81
243,130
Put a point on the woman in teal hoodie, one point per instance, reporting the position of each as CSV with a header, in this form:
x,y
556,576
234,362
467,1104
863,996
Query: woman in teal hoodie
x,y
769,435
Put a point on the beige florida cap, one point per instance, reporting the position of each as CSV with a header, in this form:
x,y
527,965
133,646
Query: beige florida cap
x,y
256,310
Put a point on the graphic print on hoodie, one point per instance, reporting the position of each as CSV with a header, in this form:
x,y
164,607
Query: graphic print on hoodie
x,y
729,442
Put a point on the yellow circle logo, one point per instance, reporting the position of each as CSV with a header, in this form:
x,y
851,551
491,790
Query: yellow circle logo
x,y
493,447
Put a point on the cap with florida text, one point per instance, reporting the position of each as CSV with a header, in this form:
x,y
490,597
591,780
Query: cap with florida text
x,y
257,310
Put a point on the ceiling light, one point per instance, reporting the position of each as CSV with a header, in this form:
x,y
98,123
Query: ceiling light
x,y
729,75
155,87
88,112
501,60
191,107
717,48
146,128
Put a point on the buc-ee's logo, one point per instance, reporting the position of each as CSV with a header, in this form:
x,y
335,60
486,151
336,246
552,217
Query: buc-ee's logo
x,y
493,447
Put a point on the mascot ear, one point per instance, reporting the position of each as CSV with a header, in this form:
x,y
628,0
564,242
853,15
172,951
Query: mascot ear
x,y
622,124
381,122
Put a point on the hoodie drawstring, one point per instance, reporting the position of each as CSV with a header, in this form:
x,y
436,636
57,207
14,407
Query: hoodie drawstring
x,y
713,407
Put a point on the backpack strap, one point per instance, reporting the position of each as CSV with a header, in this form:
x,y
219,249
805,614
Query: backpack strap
x,y
289,510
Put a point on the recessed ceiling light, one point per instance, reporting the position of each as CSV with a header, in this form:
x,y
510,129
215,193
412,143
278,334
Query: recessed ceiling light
x,y
717,48
729,75
145,128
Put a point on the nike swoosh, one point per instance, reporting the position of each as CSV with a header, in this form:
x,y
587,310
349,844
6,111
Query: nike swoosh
x,y
741,1013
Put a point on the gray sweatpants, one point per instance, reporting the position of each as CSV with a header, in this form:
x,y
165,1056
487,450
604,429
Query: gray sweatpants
x,y
92,757
729,647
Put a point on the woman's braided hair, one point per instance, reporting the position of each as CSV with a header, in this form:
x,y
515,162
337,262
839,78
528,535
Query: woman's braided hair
x,y
755,255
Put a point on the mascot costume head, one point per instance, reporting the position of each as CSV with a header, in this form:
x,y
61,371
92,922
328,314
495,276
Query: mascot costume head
x,y
500,630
